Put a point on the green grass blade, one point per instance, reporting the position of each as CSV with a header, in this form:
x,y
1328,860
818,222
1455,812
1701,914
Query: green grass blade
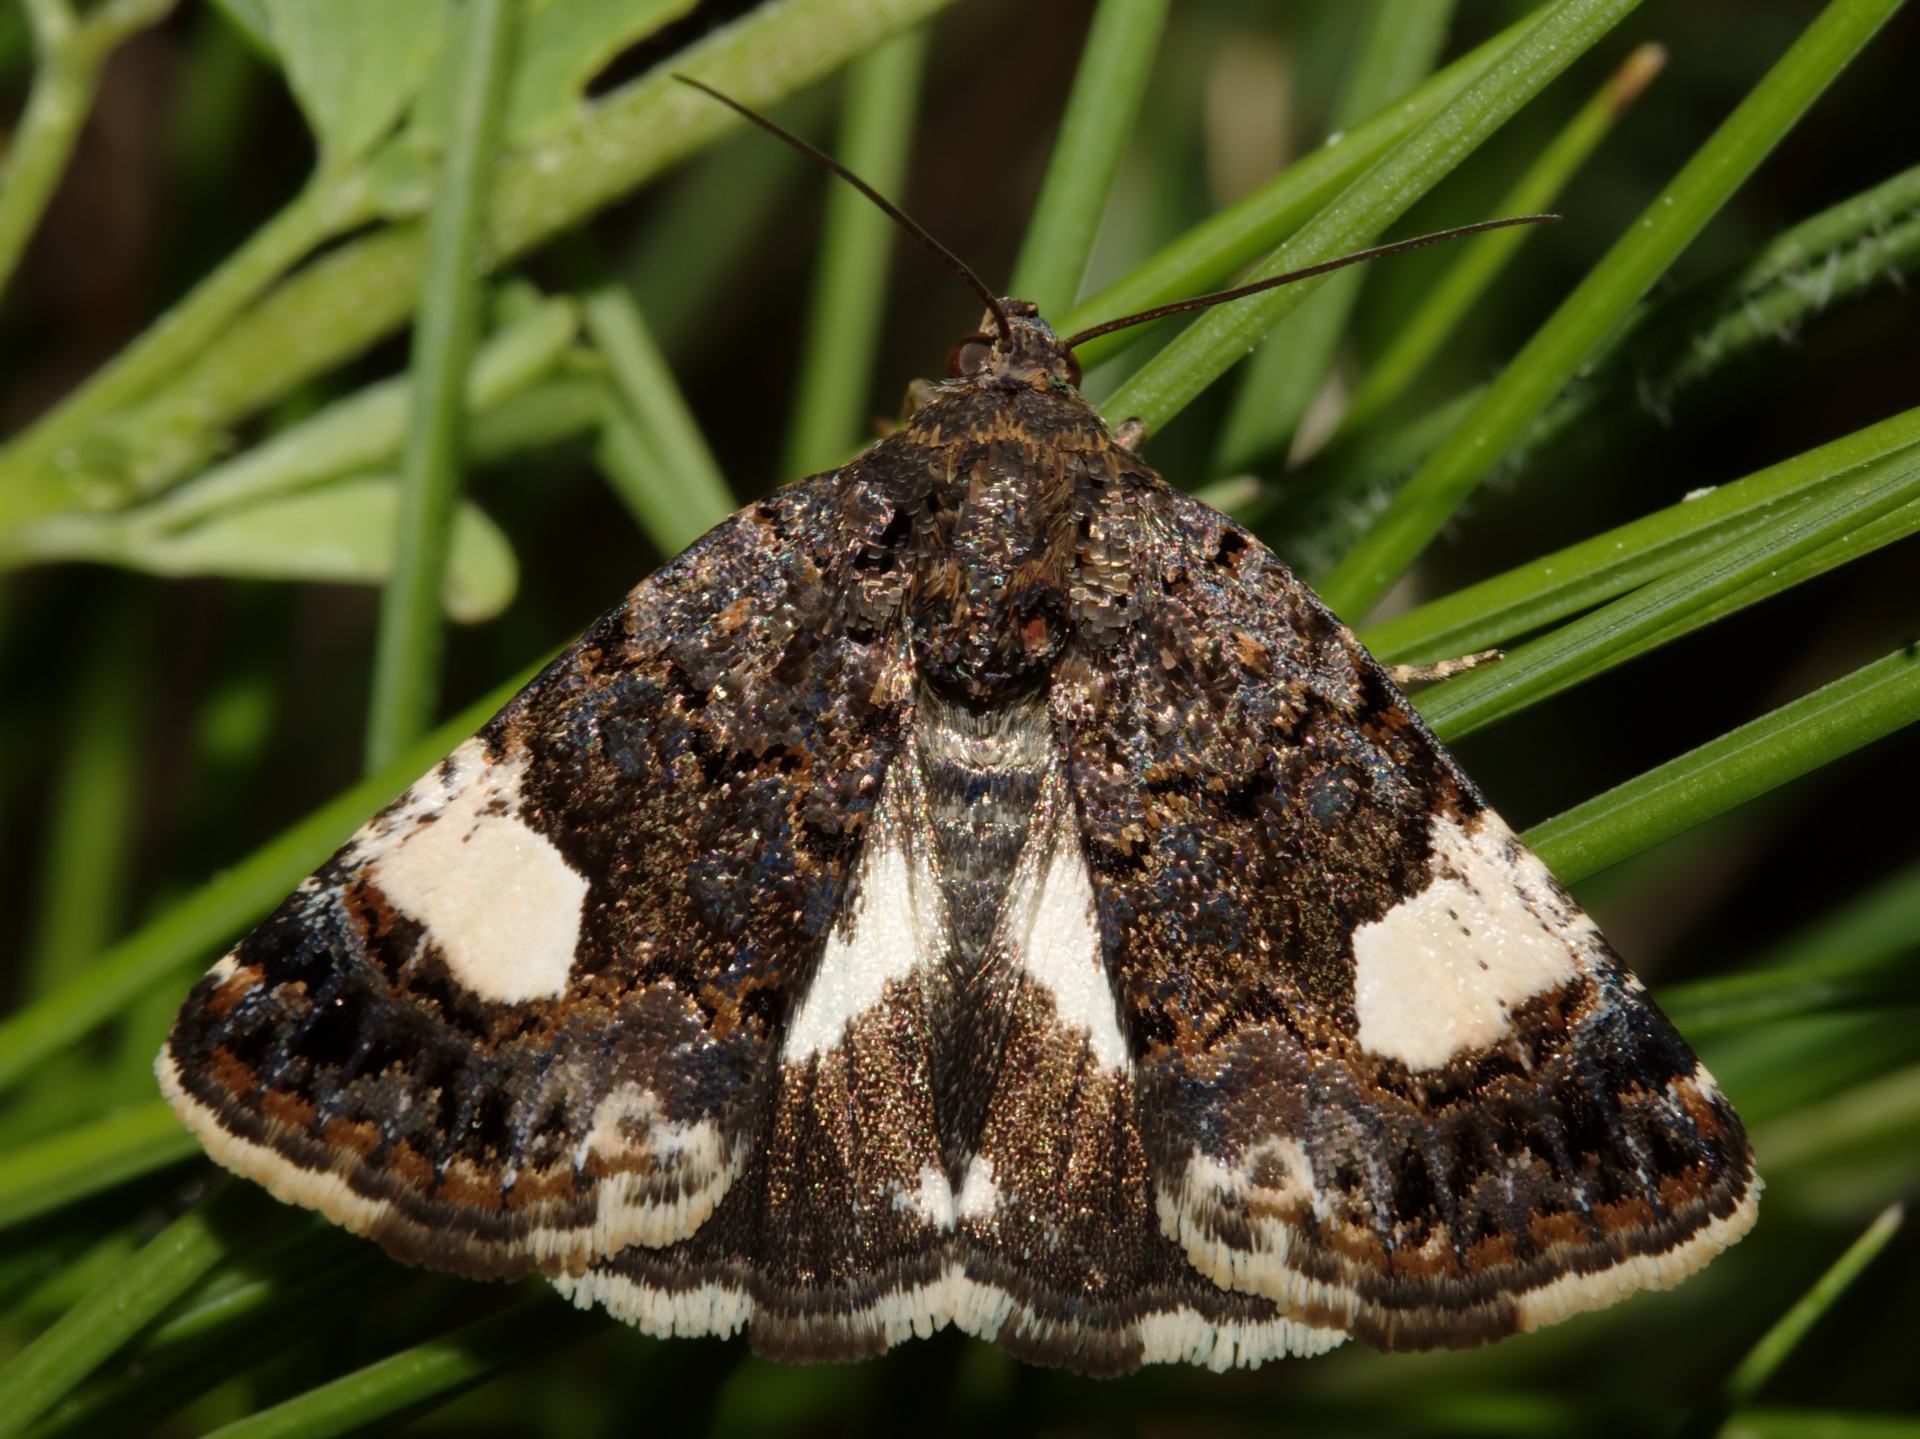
x,y
1401,41
1601,301
1213,252
1483,257
1221,336
1626,627
1866,240
406,661
830,411
431,1372
1611,564
671,481
88,850
212,915
1757,996
1785,1336
1790,741
46,1176
42,1374
1107,89
1868,1117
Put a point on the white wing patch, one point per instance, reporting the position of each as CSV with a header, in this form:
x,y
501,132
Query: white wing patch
x,y
1061,945
1438,972
498,899
895,920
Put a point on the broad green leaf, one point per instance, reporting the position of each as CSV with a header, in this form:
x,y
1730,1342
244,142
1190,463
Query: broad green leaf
x,y
250,18
561,45
355,65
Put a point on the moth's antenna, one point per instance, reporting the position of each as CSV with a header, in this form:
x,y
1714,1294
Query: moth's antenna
x,y
1275,282
894,212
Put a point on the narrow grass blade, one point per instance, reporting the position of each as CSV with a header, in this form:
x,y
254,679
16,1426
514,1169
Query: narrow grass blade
x,y
210,916
1485,256
1785,1336
1867,240
1608,636
1603,298
1758,996
427,1373
41,1374
1620,560
1401,41
850,282
1107,89
1790,741
678,492
89,843
1212,252
46,1176
1869,1116
1221,336
406,661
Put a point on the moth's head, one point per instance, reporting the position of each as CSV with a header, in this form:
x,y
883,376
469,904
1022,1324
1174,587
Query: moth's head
x,y
1030,354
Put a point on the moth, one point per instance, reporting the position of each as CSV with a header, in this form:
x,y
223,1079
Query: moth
x,y
975,886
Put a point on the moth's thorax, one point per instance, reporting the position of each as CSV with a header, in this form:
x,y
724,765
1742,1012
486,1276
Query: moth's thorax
x,y
1006,487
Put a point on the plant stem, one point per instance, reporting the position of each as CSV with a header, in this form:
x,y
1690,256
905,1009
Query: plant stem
x,y
1221,336
406,665
435,1370
1746,762
87,1334
71,54
1483,257
1607,293
241,895
89,840
850,282
1108,85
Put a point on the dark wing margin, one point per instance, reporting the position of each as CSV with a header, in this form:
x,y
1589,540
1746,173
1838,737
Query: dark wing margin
x,y
528,1014
1390,1077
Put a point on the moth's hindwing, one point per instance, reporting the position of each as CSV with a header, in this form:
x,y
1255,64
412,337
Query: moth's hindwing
x,y
529,1013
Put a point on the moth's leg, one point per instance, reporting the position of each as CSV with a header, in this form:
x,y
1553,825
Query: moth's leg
x,y
1442,669
1130,435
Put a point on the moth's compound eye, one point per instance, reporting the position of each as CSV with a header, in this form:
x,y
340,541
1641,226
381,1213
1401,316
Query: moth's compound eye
x,y
1073,369
969,355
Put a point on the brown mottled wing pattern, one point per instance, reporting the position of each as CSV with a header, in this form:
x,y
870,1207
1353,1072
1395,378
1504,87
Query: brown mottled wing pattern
x,y
528,1014
1389,1076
